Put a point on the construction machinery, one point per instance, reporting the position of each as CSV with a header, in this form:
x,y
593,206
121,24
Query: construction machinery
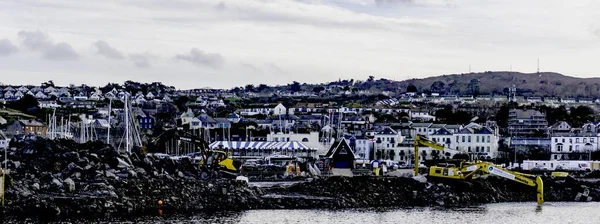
x,y
422,141
211,162
473,170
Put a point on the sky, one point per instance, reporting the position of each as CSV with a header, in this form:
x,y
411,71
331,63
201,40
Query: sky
x,y
222,44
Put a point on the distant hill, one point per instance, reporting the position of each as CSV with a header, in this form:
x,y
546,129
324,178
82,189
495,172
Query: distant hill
x,y
488,83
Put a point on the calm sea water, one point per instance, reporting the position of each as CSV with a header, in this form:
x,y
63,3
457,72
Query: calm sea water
x,y
504,213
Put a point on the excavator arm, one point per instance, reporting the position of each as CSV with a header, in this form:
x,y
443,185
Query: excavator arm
x,y
522,178
422,141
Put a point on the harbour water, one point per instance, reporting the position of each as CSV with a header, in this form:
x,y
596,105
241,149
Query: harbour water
x,y
504,213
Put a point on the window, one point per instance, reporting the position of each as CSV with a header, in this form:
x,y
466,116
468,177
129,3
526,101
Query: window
x,y
463,138
555,156
577,147
570,140
469,138
559,147
584,140
488,149
276,139
488,139
570,148
592,140
305,140
476,148
477,139
577,140
563,140
469,148
555,140
456,138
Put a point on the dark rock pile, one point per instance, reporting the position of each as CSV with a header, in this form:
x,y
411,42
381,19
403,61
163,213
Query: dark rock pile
x,y
61,179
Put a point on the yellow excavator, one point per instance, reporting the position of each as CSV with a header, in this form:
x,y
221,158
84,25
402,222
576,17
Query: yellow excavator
x,y
422,141
472,170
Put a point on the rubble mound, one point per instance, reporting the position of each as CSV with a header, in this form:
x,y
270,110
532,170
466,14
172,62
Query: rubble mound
x,y
58,180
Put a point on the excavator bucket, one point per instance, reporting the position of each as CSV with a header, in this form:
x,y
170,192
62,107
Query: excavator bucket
x,y
540,190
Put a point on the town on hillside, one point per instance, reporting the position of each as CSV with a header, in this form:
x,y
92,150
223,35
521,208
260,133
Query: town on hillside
x,y
305,121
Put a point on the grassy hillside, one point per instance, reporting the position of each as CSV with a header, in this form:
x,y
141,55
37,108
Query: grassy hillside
x,y
542,84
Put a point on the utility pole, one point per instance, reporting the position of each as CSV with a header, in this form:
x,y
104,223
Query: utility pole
x,y
538,65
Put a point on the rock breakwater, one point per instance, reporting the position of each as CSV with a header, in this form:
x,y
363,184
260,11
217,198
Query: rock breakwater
x,y
64,180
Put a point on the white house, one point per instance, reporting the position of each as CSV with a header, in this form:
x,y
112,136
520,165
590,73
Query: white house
x,y
279,109
309,139
479,142
96,97
80,97
40,95
49,89
48,104
420,129
195,123
187,117
9,94
572,146
23,89
18,94
421,115
150,96
110,95
387,144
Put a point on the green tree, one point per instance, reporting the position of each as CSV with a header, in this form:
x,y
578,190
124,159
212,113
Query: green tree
x,y
262,87
411,89
24,104
249,88
318,89
437,87
581,115
181,102
295,87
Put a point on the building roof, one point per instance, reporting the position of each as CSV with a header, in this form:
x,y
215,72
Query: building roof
x,y
207,119
442,131
340,145
387,131
237,145
421,125
31,123
484,130
453,126
525,114
438,125
233,115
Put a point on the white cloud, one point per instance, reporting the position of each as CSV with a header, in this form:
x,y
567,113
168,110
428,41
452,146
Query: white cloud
x,y
141,60
108,51
60,52
284,40
38,41
200,58
7,48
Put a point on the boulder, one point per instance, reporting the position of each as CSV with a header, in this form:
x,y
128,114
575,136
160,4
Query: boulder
x,y
122,163
69,185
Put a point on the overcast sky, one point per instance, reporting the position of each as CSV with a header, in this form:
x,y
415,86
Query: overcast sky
x,y
221,44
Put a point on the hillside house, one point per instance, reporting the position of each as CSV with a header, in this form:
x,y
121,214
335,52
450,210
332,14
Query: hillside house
x,y
26,127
